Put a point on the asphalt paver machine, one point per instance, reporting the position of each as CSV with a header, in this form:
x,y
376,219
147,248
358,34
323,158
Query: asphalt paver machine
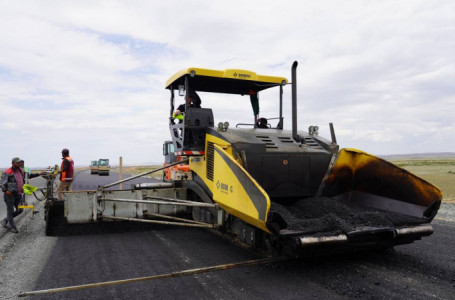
x,y
282,191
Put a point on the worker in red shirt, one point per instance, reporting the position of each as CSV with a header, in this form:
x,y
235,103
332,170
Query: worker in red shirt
x,y
12,183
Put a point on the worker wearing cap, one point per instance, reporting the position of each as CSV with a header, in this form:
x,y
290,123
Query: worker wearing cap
x,y
11,183
66,173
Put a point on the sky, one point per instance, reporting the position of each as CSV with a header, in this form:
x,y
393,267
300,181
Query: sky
x,y
90,75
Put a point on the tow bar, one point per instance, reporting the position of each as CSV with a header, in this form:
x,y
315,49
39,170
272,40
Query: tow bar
x,y
160,276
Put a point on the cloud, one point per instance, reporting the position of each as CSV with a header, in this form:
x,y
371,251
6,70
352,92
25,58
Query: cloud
x,y
89,75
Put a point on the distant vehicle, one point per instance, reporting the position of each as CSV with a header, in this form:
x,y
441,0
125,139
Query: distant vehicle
x,y
94,167
103,166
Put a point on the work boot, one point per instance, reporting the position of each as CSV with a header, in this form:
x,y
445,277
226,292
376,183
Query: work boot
x,y
14,230
4,223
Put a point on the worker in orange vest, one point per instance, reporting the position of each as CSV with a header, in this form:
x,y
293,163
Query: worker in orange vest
x,y
66,173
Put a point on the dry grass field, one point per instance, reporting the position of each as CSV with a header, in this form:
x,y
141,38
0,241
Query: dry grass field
x,y
438,171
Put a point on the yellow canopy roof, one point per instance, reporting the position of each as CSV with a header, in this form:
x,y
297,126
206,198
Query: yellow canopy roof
x,y
233,81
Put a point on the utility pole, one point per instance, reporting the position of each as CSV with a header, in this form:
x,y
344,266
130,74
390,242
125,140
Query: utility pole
x,y
120,172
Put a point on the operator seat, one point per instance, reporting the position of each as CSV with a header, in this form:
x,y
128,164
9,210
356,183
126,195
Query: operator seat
x,y
196,122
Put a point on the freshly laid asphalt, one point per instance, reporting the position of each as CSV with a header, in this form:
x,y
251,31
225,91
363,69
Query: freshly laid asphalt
x,y
32,261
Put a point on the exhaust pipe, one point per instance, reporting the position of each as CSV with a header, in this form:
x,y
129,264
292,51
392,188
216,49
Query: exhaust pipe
x,y
332,133
294,102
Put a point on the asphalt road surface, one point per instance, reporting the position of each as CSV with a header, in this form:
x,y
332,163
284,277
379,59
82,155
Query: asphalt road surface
x,y
84,181
32,261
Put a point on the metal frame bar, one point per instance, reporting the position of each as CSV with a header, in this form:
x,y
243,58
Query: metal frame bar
x,y
205,225
423,230
177,203
280,123
180,200
143,174
160,276
174,218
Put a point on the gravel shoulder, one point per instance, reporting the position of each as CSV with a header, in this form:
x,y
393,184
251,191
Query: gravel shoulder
x,y
24,255
446,212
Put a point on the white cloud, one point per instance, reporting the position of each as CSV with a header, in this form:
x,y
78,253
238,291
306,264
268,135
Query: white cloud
x,y
89,75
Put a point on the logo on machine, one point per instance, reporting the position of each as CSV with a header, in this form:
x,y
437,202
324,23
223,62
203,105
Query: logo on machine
x,y
240,75
223,187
